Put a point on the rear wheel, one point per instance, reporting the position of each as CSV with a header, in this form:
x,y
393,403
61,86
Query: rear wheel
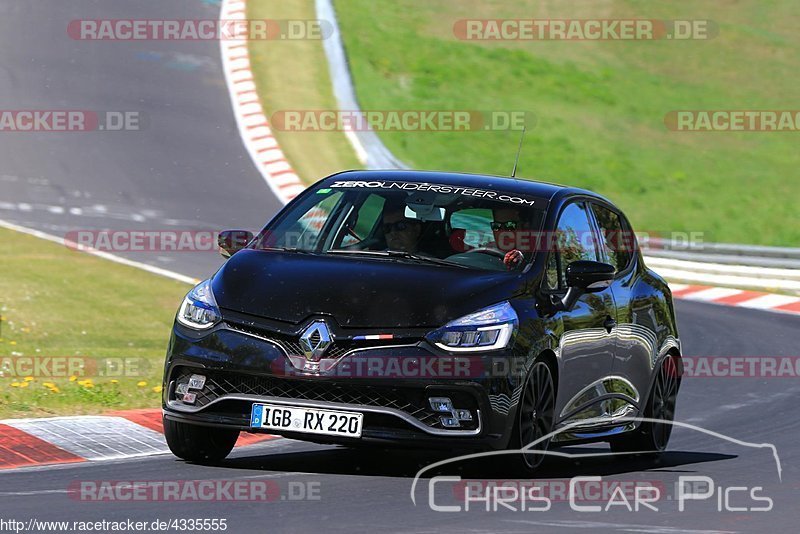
x,y
536,415
199,444
653,437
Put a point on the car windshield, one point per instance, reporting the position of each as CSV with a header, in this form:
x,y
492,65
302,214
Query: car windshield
x,y
443,225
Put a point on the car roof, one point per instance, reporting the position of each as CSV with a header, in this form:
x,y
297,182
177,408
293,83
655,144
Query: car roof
x,y
533,188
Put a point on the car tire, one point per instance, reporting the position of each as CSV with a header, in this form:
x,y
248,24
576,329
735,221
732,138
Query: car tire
x,y
199,444
651,438
535,415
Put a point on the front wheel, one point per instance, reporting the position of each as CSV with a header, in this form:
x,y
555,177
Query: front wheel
x,y
199,444
652,437
536,416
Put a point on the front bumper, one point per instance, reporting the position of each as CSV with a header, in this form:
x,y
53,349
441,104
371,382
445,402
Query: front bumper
x,y
243,366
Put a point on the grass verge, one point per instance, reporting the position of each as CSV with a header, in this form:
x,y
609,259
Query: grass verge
x,y
293,75
63,310
600,105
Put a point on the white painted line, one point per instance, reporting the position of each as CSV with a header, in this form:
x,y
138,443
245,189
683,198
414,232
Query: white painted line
x,y
355,142
712,293
769,301
100,254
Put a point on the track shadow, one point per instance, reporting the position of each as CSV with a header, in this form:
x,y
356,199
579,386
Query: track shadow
x,y
406,463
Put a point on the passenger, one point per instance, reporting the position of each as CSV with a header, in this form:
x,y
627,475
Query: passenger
x,y
506,226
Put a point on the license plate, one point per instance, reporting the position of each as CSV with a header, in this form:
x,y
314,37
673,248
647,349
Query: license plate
x,y
306,420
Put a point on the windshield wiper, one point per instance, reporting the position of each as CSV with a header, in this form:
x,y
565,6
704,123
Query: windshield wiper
x,y
287,249
398,254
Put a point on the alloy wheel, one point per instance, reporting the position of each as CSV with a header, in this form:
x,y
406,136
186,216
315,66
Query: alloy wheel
x,y
537,412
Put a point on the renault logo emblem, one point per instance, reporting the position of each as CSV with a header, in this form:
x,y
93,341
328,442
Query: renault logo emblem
x,y
315,340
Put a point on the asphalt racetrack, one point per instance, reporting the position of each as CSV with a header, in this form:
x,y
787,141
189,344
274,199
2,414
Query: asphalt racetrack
x,y
187,169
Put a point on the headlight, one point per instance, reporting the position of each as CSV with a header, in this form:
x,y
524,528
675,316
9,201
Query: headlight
x,y
199,309
488,329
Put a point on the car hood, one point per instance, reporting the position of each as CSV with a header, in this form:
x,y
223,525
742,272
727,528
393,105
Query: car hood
x,y
356,291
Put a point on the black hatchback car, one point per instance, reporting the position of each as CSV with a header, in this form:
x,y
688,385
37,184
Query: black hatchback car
x,y
428,310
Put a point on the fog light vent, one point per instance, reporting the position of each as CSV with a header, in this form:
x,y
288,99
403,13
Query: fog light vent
x,y
441,404
464,415
197,382
449,422
454,415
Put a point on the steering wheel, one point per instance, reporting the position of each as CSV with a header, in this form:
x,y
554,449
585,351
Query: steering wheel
x,y
487,250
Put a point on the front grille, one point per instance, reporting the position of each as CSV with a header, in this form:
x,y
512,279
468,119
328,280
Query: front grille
x,y
411,401
290,344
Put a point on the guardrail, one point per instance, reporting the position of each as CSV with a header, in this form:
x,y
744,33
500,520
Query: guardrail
x,y
726,253
758,267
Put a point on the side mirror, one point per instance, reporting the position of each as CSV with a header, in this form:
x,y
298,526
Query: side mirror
x,y
232,241
586,277
590,276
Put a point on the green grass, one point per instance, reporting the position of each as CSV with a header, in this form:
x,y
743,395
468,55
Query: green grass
x,y
293,75
600,106
56,302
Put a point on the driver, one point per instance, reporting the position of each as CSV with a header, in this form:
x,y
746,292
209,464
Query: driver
x,y
401,233
507,223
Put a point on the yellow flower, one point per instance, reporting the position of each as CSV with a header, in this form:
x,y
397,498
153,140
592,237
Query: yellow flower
x,y
142,384
55,389
12,342
24,384
73,378
115,381
29,379
14,384
157,389
48,385
88,385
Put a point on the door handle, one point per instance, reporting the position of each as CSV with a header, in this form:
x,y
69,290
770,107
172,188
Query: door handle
x,y
609,324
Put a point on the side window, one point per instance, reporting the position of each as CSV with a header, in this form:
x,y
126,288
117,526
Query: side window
x,y
574,240
618,243
476,224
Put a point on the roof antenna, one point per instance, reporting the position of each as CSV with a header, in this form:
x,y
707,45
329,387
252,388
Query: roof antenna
x,y
519,149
